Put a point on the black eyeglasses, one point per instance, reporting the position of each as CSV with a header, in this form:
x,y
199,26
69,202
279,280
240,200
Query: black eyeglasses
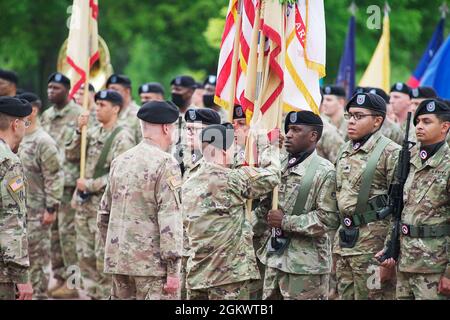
x,y
357,116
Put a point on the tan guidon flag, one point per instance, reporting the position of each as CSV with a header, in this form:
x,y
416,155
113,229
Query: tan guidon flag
x,y
82,48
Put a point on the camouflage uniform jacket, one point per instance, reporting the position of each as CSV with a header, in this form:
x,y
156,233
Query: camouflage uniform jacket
x,y
96,138
220,235
129,120
190,171
392,131
145,229
44,172
309,250
349,172
14,261
330,142
427,202
60,125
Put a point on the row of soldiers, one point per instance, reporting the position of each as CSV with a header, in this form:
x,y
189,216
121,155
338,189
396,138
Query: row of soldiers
x,y
165,233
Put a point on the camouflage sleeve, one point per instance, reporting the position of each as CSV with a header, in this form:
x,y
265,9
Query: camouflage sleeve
x,y
170,218
392,157
321,220
105,207
330,144
259,214
123,141
255,182
52,173
447,269
13,236
73,147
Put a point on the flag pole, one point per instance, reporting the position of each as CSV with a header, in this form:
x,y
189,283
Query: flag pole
x,y
85,107
280,112
258,99
235,61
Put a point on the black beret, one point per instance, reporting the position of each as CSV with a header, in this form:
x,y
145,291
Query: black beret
x,y
10,76
401,87
119,79
423,93
367,100
238,112
220,136
91,88
381,93
334,90
28,96
151,87
211,80
15,107
184,81
302,118
59,78
159,112
431,106
205,116
360,90
109,95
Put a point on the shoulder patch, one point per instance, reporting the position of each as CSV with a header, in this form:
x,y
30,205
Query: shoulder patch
x,y
15,184
174,182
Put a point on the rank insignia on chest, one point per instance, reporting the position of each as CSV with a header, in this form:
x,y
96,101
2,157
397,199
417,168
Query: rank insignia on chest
x,y
174,182
16,184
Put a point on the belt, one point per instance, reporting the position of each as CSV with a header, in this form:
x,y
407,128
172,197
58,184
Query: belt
x,y
425,231
359,219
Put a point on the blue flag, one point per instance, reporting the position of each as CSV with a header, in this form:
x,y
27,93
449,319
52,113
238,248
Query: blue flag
x,y
346,75
433,46
437,74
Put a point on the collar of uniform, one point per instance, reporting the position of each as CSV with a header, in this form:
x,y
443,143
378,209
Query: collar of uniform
x,y
300,168
434,161
65,110
370,144
150,143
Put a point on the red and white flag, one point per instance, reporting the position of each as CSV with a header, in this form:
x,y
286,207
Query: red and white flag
x,y
225,85
82,47
245,41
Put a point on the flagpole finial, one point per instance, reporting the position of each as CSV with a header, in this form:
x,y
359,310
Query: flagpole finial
x,y
353,8
387,8
444,9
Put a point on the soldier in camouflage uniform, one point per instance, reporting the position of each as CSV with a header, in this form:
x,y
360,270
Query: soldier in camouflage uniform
x,y
182,90
79,96
389,129
209,86
14,260
45,176
241,129
196,120
424,262
222,261
140,215
151,91
60,122
333,107
420,94
299,268
127,116
330,142
104,143
364,171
